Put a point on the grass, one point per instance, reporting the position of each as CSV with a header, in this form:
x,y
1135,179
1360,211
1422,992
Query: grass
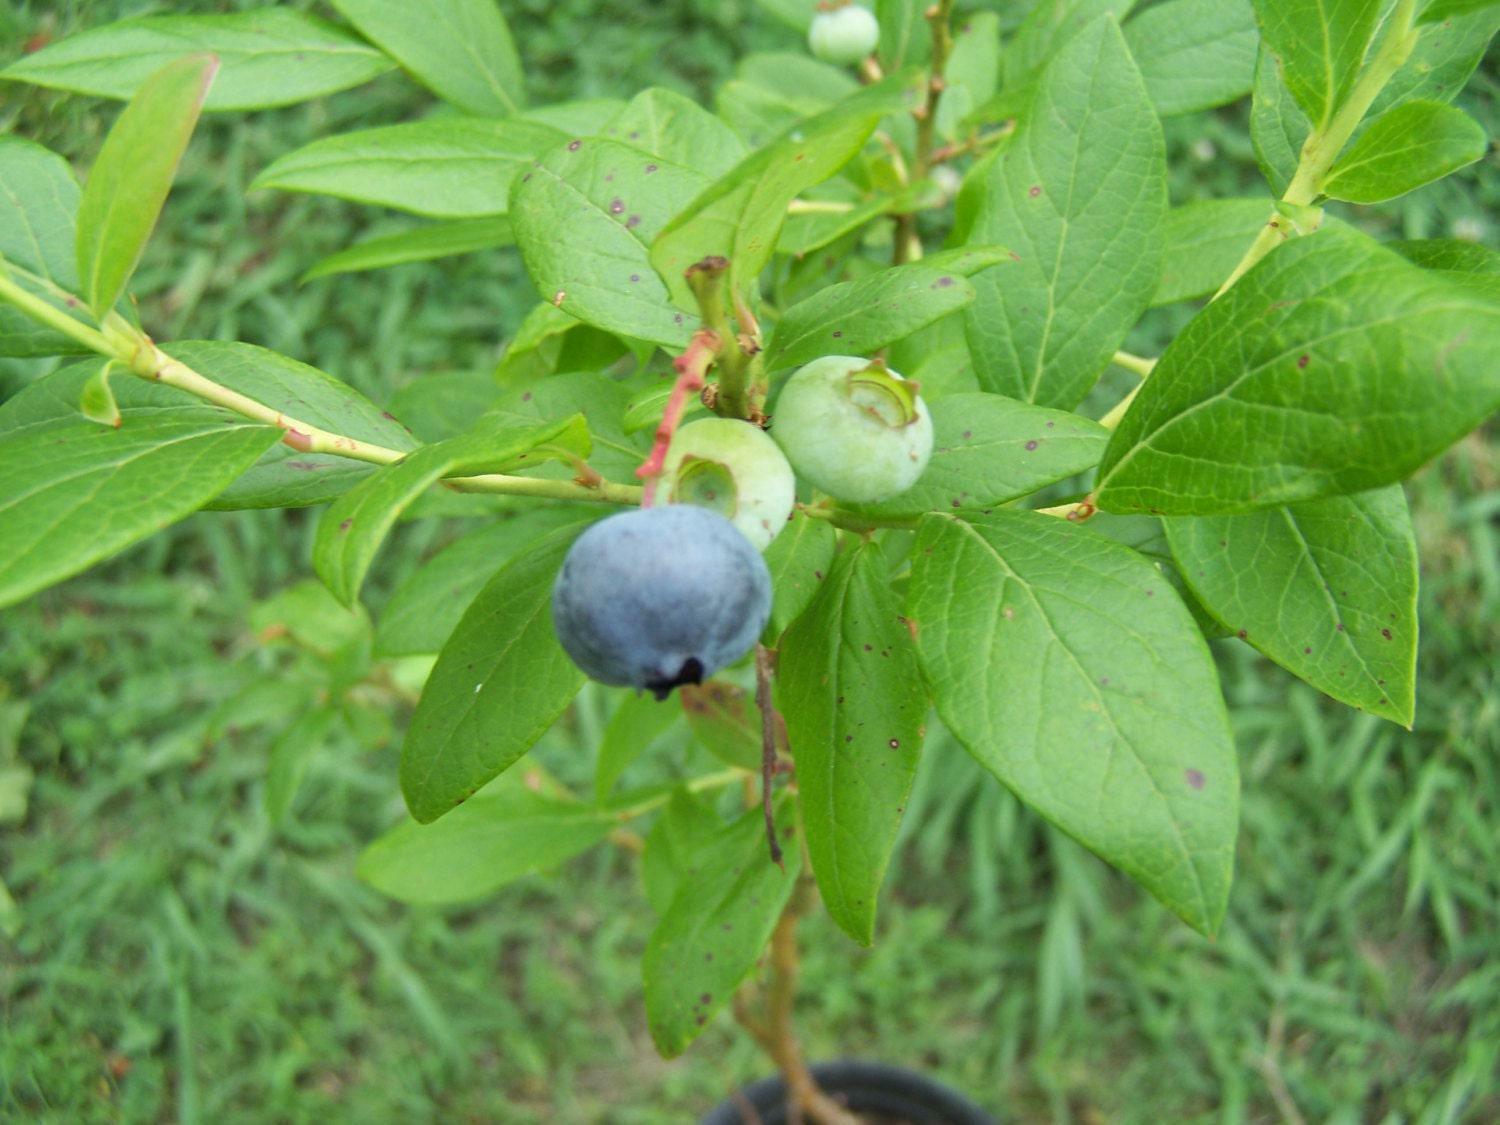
x,y
171,954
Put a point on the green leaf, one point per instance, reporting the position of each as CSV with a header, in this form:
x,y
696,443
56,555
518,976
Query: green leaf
x,y
131,177
499,683
724,720
644,410
461,50
1047,28
1195,54
584,220
1440,10
38,201
420,244
793,74
850,690
796,14
1333,366
803,233
286,477
491,840
24,338
1438,67
989,450
1404,148
74,493
1068,667
97,402
533,349
685,828
678,130
268,57
904,36
429,603
354,527
1147,537
444,167
938,359
638,721
291,754
798,558
739,216
1319,46
972,73
1079,194
1202,242
1326,588
720,920
445,404
586,117
859,317
1277,127
309,615
600,401
1448,254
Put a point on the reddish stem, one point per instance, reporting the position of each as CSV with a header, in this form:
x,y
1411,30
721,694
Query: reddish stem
x,y
692,367
768,717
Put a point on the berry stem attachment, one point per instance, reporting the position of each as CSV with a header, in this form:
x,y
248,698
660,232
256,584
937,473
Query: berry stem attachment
x,y
692,367
706,280
1074,513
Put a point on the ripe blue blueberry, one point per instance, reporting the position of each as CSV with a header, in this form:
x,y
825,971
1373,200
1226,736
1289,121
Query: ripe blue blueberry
x,y
853,428
654,598
735,469
843,35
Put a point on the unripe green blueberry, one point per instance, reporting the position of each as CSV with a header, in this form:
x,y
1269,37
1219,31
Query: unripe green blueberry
x,y
843,36
733,468
853,428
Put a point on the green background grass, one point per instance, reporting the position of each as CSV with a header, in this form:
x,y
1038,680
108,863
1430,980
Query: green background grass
x,y
168,954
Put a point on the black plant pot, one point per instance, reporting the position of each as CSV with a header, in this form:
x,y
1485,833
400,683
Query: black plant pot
x,y
891,1094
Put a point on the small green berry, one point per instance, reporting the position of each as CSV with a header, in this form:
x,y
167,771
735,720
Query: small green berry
x,y
853,428
733,468
844,36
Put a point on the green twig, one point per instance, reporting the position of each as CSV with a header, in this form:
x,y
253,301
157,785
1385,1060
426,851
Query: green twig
x,y
134,349
53,317
1136,364
1324,143
855,521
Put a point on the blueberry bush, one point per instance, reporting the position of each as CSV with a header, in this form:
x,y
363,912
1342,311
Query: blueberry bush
x,y
895,277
